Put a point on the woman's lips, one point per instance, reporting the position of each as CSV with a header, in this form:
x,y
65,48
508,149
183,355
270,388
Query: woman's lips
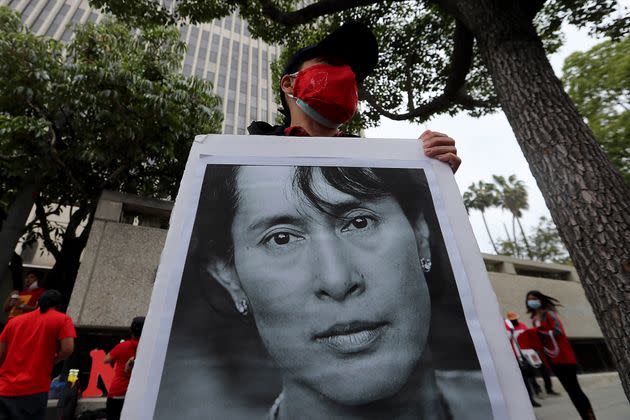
x,y
353,337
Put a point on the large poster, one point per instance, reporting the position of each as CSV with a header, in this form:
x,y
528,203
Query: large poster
x,y
321,278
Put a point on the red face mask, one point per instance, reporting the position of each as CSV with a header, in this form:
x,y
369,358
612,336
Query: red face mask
x,y
327,94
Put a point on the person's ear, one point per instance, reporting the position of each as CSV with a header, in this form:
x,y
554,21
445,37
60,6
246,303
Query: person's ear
x,y
421,230
225,273
286,84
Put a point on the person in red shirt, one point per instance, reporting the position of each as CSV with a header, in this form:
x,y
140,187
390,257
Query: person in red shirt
x,y
20,302
542,309
30,345
121,358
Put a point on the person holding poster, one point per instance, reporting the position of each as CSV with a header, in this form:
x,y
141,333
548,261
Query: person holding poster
x,y
319,90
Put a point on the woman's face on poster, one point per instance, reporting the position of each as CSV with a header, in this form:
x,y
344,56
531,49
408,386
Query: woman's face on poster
x,y
338,296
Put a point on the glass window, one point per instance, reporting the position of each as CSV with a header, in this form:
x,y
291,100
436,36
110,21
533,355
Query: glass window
x,y
93,16
252,112
231,95
243,86
232,83
61,15
220,91
213,56
199,69
187,69
221,81
237,25
43,15
182,32
240,131
242,109
26,13
230,105
67,34
210,76
246,30
229,129
228,23
205,37
263,94
242,97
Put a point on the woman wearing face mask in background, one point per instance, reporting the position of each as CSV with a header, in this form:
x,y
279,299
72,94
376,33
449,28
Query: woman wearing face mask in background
x,y
542,309
319,91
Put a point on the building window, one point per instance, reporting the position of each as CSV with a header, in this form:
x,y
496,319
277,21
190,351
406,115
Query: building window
x,y
76,18
229,129
43,15
93,17
227,24
29,9
61,15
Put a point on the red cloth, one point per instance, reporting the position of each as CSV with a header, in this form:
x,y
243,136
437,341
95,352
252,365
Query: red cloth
x,y
31,345
120,355
27,297
554,339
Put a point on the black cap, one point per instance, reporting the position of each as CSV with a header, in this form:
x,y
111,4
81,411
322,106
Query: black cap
x,y
353,42
136,326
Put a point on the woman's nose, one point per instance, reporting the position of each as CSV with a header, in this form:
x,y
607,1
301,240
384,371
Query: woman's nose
x,y
335,276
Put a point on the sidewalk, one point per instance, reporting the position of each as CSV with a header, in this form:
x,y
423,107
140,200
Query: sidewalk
x,y
605,392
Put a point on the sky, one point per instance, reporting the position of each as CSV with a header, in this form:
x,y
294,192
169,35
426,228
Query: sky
x,y
487,147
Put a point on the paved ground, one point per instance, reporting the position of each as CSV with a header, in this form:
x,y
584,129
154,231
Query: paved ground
x,y
604,391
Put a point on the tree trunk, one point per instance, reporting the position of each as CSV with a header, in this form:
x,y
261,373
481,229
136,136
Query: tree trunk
x,y
527,247
489,235
586,195
67,263
13,225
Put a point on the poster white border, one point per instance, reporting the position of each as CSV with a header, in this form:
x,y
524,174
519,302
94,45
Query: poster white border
x,y
479,302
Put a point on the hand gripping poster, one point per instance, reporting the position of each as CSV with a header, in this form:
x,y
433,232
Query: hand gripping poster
x,y
312,278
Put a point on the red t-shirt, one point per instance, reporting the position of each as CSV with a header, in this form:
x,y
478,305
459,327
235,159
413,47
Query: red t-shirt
x,y
32,342
120,355
554,339
27,297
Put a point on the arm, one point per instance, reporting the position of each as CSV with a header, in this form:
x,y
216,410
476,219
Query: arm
x,y
109,360
10,302
66,347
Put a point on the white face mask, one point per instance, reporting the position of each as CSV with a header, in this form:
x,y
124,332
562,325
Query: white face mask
x,y
33,285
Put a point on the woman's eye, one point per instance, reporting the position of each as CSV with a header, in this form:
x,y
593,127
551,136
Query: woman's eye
x,y
358,223
281,238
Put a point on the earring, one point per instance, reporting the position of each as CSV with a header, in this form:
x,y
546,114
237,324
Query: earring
x,y
242,307
425,263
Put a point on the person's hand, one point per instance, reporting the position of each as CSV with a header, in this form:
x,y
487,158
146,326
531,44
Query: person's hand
x,y
129,365
441,147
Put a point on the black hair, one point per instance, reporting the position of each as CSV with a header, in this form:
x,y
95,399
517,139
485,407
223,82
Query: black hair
x,y
547,302
220,201
136,326
35,273
50,299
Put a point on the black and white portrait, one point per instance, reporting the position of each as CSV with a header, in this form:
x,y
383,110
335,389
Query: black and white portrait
x,y
320,289
313,292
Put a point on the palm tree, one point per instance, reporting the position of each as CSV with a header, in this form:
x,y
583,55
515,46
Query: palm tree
x,y
513,198
482,196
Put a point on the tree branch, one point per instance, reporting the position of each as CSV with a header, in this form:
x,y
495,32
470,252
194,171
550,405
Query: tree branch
x,y
461,59
113,176
308,13
40,213
454,88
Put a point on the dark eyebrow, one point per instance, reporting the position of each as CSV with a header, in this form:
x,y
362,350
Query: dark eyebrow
x,y
331,209
266,222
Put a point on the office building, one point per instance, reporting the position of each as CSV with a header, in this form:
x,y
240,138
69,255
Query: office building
x,y
222,52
